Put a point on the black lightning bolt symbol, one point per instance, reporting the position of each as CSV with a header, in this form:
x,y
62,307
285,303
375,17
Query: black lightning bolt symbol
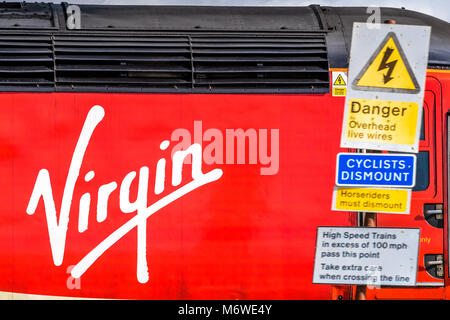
x,y
390,65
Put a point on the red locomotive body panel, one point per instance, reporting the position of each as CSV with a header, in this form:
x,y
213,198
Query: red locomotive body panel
x,y
148,156
246,235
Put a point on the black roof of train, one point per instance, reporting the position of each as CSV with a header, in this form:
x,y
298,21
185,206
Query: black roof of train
x,y
334,24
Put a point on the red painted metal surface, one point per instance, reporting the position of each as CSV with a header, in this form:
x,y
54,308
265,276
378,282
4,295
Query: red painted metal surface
x,y
244,236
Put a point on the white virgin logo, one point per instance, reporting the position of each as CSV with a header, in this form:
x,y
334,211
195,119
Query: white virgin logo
x,y
58,229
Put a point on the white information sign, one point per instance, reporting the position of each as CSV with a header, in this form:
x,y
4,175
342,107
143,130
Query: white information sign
x,y
366,256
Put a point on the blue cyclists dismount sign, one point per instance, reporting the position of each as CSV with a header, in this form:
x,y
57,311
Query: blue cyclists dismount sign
x,y
376,170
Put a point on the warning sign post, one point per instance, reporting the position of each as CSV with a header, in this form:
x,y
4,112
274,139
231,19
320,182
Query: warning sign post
x,y
383,112
366,256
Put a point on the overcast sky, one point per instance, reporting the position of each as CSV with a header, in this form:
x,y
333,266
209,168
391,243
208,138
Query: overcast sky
x,y
436,8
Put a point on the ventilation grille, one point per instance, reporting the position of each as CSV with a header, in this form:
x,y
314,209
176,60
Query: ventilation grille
x,y
443,65
213,63
26,61
296,63
210,63
123,62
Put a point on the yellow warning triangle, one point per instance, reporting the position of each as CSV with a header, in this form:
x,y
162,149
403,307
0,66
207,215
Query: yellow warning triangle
x,y
387,70
339,81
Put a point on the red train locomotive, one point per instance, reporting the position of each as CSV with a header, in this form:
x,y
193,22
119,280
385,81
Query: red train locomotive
x,y
175,152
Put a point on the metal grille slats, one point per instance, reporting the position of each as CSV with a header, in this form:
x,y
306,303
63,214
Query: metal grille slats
x,y
123,61
204,63
26,61
295,62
